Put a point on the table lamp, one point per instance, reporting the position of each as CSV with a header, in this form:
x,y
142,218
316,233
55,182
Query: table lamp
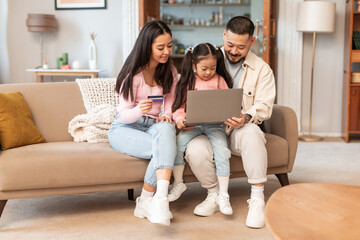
x,y
41,23
314,17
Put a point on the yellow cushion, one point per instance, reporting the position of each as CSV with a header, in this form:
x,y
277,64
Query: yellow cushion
x,y
17,127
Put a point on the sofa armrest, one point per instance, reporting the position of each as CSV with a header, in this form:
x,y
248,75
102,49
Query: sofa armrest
x,y
283,123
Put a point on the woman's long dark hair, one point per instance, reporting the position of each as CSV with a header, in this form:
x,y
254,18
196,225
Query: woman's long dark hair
x,y
187,79
140,57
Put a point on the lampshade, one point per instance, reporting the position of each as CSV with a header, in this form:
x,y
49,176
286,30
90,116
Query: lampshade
x,y
316,16
41,23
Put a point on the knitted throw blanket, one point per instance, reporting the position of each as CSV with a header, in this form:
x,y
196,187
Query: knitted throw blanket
x,y
100,101
96,91
93,126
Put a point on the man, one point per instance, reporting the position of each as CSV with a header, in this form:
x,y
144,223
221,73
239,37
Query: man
x,y
246,138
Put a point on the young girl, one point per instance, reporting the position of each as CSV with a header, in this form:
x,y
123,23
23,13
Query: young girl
x,y
140,129
203,68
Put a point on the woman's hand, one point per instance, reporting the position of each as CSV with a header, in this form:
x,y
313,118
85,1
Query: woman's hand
x,y
236,122
145,106
164,119
181,125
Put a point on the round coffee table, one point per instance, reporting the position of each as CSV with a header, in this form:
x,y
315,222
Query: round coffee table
x,y
314,211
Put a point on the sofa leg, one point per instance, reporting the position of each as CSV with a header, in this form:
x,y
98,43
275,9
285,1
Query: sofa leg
x,y
283,179
2,205
131,194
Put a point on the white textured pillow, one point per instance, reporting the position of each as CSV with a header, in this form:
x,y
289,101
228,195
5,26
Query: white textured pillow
x,y
97,91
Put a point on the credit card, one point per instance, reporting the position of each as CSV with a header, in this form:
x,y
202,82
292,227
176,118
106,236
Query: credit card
x,y
156,98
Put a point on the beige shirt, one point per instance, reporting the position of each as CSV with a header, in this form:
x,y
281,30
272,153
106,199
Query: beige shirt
x,y
257,80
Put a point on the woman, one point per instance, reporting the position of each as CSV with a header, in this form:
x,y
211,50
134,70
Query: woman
x,y
143,127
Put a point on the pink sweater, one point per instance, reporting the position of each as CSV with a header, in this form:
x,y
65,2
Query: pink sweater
x,y
216,82
129,111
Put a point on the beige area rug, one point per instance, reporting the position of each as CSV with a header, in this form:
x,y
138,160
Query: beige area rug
x,y
110,215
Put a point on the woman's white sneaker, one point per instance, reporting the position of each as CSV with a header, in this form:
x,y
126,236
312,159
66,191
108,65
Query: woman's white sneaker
x,y
142,207
256,214
159,211
176,191
224,203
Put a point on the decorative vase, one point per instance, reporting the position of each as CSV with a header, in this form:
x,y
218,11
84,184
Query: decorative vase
x,y
93,63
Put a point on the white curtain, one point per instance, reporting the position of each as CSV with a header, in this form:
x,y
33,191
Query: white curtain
x,y
130,26
289,56
4,57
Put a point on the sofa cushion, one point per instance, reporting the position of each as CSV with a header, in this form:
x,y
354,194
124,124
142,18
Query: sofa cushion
x,y
70,164
67,164
17,127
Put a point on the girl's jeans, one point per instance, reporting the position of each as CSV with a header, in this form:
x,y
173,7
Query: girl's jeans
x,y
146,139
217,137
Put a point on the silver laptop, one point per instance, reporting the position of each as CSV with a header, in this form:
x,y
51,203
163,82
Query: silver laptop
x,y
212,106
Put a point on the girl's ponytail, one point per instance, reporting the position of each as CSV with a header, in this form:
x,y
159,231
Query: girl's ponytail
x,y
186,81
221,69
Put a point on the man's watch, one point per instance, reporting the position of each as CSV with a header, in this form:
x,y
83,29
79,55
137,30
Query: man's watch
x,y
248,117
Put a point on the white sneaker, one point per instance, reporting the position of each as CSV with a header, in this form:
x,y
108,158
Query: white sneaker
x,y
224,203
176,191
159,211
208,207
256,214
142,207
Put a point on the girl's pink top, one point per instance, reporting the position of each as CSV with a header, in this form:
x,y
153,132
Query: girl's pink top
x,y
129,111
216,82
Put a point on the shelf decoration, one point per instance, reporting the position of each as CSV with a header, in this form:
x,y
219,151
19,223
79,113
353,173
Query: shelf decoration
x,y
93,62
356,40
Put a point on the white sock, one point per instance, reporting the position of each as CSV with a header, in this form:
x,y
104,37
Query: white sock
x,y
223,183
146,194
257,192
162,188
213,190
178,173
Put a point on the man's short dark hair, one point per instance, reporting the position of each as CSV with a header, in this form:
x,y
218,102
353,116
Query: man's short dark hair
x,y
241,25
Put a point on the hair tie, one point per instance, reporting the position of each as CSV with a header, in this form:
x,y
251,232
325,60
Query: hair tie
x,y
189,49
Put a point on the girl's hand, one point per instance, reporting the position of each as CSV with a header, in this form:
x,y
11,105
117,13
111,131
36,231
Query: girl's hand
x,y
145,106
181,125
164,119
236,122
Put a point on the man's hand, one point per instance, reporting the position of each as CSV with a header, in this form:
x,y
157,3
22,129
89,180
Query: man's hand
x,y
236,122
181,125
145,106
164,119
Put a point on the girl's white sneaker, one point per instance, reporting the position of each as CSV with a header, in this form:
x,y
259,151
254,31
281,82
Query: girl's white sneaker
x,y
176,191
224,203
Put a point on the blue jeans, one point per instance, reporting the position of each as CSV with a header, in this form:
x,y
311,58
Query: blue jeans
x,y
146,139
217,137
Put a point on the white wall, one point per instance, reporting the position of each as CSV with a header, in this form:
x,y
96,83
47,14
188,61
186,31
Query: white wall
x,y
328,78
4,59
72,36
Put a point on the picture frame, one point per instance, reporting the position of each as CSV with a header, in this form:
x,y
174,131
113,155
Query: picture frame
x,y
79,4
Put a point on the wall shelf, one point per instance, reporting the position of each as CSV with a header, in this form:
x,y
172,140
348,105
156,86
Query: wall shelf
x,y
193,27
202,4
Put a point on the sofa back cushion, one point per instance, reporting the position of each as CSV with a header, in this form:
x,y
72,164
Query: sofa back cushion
x,y
52,106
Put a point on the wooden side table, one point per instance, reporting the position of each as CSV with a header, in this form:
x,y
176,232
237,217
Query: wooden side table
x,y
58,72
314,211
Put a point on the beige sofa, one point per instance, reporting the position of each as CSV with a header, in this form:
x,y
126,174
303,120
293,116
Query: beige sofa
x,y
61,166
